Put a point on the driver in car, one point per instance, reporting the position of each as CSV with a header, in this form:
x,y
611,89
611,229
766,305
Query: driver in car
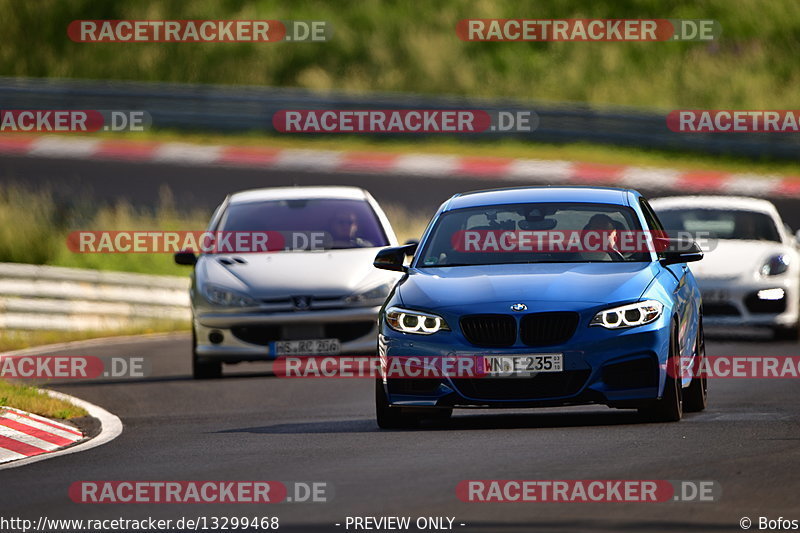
x,y
344,230
605,224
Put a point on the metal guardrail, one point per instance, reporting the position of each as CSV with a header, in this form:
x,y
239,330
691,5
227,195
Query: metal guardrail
x,y
237,108
36,297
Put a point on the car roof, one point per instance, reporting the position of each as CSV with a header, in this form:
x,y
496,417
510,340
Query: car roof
x,y
739,203
513,195
298,193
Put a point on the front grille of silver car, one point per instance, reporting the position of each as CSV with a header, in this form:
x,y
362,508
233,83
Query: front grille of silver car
x,y
262,335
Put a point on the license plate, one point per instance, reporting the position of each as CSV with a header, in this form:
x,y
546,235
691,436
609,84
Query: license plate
x,y
523,365
307,347
715,295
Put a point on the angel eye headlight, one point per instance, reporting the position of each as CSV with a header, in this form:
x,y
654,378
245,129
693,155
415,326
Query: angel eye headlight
x,y
628,316
408,321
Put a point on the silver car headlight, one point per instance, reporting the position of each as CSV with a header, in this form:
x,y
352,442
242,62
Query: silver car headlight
x,y
775,265
417,322
628,316
222,296
376,294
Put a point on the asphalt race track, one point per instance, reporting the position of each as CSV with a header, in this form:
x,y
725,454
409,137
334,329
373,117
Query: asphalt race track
x,y
252,425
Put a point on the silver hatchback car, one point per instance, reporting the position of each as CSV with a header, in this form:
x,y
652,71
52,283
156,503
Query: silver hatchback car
x,y
318,294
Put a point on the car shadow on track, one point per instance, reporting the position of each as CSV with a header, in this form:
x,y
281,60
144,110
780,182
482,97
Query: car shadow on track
x,y
460,423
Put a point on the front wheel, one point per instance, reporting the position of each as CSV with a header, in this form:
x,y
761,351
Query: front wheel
x,y
787,333
389,416
695,397
204,370
670,407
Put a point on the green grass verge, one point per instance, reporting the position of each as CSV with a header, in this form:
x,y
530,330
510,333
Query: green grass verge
x,y
405,46
33,400
11,339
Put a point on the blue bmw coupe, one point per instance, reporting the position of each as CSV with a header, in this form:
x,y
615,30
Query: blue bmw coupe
x,y
575,317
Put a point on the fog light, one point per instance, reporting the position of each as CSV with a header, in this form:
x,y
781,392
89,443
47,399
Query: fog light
x,y
771,294
216,337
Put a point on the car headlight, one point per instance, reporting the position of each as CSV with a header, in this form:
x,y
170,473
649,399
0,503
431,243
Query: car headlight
x,y
415,321
777,264
628,316
227,297
375,294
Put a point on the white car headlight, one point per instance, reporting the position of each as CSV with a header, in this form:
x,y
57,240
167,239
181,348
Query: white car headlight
x,y
417,322
227,297
376,294
628,316
775,265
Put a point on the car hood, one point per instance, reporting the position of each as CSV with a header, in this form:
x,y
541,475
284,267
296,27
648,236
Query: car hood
x,y
333,273
731,259
592,283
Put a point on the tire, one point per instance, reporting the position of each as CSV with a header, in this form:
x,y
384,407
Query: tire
x,y
441,414
695,397
790,333
210,370
670,407
389,416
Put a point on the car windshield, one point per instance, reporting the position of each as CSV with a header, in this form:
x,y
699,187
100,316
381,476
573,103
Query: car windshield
x,y
340,223
495,235
721,224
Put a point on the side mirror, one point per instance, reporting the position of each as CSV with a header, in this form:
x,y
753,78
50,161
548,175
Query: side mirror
x,y
394,258
416,241
185,258
681,251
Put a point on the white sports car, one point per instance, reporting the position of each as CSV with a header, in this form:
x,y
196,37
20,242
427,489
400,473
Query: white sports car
x,y
751,270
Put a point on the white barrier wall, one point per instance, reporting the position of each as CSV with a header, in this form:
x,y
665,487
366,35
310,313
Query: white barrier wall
x,y
46,297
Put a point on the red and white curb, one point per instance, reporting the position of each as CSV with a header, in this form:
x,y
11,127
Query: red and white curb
x,y
32,438
429,165
25,435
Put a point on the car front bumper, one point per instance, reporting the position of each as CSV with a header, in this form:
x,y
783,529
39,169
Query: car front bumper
x,y
250,336
736,302
623,368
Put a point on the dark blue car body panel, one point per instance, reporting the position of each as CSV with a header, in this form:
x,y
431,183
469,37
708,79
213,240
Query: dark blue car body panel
x,y
600,365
